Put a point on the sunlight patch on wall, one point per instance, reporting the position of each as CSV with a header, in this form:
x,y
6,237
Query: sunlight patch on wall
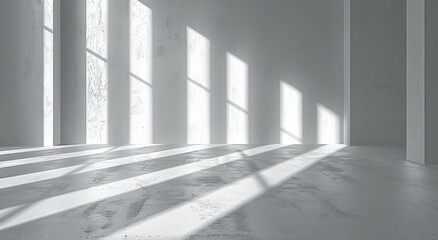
x,y
198,88
140,73
328,126
48,74
291,111
237,100
97,71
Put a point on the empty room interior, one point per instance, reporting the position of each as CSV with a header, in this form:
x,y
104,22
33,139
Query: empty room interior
x,y
219,119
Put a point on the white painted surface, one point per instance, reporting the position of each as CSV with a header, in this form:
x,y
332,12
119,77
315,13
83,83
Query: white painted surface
x,y
431,84
198,88
328,126
378,73
422,56
291,105
304,49
237,100
21,73
415,111
73,72
347,71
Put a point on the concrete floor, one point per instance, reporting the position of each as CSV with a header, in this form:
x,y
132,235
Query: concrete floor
x,y
216,192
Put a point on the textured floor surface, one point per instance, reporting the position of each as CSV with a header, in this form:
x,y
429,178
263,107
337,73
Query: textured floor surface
x,y
216,192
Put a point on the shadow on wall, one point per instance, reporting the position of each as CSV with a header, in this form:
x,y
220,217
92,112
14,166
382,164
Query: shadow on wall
x,y
237,78
198,93
291,106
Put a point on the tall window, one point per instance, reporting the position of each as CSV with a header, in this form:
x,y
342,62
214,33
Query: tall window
x,y
140,73
97,71
48,74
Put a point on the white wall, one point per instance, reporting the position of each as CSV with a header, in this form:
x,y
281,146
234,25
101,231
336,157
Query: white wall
x,y
378,72
431,84
73,71
422,58
415,51
422,94
298,42
347,70
21,73
304,43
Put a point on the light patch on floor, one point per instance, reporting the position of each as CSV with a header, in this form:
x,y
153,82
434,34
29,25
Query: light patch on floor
x,y
219,192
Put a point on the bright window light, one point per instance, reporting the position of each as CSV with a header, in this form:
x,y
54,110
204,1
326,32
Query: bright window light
x,y
140,73
328,126
291,110
198,88
237,100
48,74
97,72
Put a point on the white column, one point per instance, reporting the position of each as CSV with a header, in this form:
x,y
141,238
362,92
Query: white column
x,y
73,72
422,86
